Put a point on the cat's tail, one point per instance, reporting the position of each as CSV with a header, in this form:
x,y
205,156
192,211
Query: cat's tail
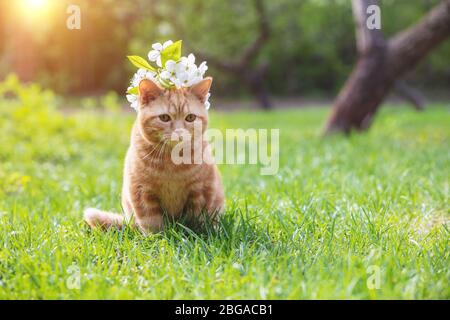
x,y
101,219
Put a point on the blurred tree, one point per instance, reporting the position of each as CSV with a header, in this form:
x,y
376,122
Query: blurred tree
x,y
310,50
243,68
382,63
211,32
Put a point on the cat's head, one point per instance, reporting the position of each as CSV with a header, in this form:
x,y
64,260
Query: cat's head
x,y
165,112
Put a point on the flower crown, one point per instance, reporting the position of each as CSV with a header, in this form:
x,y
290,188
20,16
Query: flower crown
x,y
172,70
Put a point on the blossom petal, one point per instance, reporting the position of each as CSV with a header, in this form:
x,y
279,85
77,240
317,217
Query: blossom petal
x,y
153,55
165,75
167,43
131,98
203,67
182,76
171,65
157,46
191,58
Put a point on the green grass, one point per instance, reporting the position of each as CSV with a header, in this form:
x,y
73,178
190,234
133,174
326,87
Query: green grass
x,y
337,207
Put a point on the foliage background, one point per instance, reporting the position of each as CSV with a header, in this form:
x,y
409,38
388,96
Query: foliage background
x,y
310,51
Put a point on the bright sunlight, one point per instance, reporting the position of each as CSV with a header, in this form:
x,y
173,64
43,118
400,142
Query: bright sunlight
x,y
35,4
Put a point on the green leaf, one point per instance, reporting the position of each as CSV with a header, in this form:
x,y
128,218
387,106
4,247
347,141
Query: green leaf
x,y
140,63
172,52
134,90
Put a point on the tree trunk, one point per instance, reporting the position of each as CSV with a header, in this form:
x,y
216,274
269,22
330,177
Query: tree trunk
x,y
258,89
382,63
254,80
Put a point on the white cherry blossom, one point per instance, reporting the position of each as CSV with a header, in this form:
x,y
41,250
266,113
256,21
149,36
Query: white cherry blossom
x,y
142,74
181,74
207,103
133,100
155,54
170,70
202,68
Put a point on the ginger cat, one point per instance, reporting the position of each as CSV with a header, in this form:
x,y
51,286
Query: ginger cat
x,y
152,183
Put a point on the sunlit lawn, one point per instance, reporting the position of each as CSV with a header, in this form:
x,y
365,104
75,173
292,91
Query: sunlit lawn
x,y
338,210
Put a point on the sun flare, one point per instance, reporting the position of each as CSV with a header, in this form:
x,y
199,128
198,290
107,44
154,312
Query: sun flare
x,y
35,4
35,11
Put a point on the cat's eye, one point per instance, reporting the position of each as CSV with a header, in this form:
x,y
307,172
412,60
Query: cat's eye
x,y
164,117
191,117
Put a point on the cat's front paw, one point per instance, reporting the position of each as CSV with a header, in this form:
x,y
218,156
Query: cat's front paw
x,y
150,224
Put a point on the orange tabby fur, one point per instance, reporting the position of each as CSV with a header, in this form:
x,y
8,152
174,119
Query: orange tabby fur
x,y
152,183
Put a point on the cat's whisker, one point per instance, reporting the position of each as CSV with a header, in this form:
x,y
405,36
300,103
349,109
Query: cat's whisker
x,y
152,151
157,149
162,151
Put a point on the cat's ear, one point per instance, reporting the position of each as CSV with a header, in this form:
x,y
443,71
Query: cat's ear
x,y
201,89
148,91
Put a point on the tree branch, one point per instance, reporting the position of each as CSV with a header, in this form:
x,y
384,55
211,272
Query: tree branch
x,y
264,33
409,46
252,76
251,51
382,63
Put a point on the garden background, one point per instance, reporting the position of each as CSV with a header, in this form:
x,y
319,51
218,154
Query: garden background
x,y
361,216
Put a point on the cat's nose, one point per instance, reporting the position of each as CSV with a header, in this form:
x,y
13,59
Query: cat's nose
x,y
179,131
